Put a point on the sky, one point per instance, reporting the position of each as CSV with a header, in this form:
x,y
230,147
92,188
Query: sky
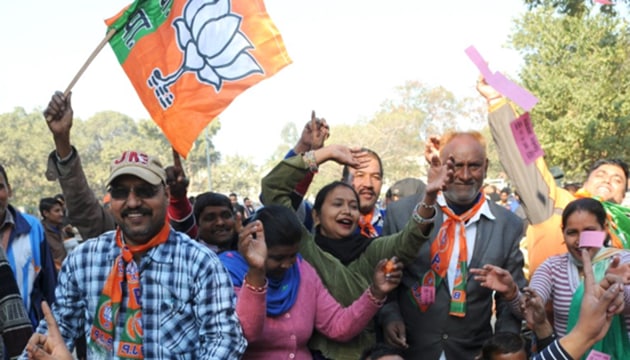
x,y
348,57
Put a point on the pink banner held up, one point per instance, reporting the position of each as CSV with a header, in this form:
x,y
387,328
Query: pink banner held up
x,y
500,83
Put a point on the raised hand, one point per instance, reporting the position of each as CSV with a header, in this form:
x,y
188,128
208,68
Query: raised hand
x,y
620,270
497,279
487,91
432,148
59,109
352,156
251,244
176,178
599,303
58,116
439,175
49,346
314,134
596,312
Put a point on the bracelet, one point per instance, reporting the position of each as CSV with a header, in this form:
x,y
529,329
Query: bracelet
x,y
309,159
373,298
66,159
419,219
424,205
257,289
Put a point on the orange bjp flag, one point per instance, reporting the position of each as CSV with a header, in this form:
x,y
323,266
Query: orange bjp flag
x,y
188,59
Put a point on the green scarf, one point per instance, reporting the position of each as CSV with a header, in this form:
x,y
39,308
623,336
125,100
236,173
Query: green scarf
x,y
618,220
619,224
615,343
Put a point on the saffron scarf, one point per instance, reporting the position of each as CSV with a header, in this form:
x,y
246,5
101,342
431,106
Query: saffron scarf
x,y
615,343
365,224
618,220
441,251
281,293
124,272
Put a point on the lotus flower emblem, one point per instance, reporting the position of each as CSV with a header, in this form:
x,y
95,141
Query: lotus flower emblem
x,y
214,48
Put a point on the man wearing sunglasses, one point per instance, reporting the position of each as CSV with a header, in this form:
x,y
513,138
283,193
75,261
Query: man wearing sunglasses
x,y
84,209
145,289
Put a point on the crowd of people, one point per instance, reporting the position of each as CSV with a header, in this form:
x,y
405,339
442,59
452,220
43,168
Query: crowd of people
x,y
436,273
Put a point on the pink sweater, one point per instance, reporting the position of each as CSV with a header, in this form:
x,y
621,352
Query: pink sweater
x,y
286,336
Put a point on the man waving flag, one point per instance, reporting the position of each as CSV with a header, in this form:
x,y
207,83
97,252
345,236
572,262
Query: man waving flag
x,y
188,59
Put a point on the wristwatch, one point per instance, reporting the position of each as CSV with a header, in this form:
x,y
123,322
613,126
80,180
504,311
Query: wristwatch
x,y
419,219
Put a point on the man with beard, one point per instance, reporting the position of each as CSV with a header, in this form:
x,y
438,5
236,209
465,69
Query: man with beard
x,y
145,290
216,220
438,312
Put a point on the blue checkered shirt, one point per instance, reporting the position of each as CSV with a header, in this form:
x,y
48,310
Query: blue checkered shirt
x,y
188,303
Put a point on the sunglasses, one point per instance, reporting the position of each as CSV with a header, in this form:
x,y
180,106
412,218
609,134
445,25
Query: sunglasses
x,y
144,191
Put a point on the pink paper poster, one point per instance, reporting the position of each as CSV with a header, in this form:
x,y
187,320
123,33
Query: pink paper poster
x,y
526,139
597,355
592,239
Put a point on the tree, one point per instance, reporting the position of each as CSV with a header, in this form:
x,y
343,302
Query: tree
x,y
27,143
237,174
579,68
25,148
202,153
398,131
574,7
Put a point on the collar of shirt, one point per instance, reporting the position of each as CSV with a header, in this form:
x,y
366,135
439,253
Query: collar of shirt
x,y
214,248
471,237
376,214
485,210
8,219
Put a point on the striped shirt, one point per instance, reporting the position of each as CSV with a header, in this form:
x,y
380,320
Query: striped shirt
x,y
553,352
553,280
188,303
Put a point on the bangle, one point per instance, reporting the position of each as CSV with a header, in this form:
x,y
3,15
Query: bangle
x,y
373,299
309,159
493,101
422,204
419,219
257,289
66,159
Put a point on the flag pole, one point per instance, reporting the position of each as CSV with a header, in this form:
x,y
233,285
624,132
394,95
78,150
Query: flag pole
x,y
177,162
87,63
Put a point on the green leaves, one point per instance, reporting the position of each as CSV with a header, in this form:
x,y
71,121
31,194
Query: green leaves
x,y
576,8
578,67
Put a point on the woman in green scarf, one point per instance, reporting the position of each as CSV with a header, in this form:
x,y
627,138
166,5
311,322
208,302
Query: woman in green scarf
x,y
560,278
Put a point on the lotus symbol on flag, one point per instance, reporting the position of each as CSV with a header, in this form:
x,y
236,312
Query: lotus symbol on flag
x,y
213,46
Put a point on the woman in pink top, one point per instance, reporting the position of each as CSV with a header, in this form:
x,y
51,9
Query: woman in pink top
x,y
281,299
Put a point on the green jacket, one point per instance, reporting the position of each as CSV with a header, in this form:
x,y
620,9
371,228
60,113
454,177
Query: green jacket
x,y
344,282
